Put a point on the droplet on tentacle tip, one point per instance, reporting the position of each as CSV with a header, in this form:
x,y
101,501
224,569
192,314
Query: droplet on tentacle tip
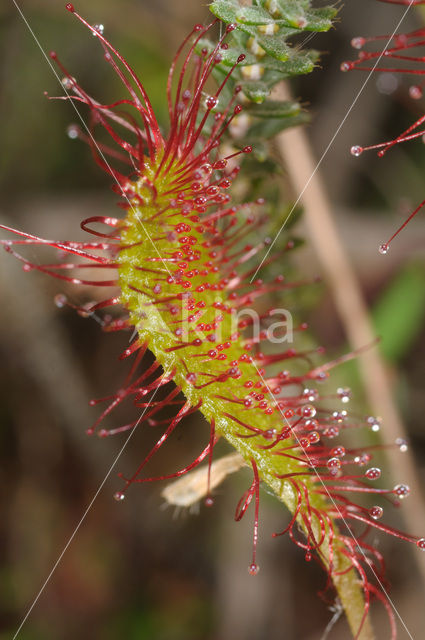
x,y
338,452
376,512
311,395
85,311
358,43
339,416
402,444
374,423
356,150
211,102
60,300
421,544
119,496
314,437
383,248
362,459
99,28
253,569
334,465
373,473
415,92
401,491
67,83
344,394
346,66
331,432
72,131
308,411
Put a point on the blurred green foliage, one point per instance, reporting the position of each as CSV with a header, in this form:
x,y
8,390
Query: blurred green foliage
x,y
399,314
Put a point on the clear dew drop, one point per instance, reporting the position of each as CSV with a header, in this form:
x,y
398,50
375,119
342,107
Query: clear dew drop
x,y
376,512
383,248
119,496
401,491
356,150
60,300
421,544
99,28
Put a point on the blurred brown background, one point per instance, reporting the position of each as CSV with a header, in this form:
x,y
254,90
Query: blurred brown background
x,y
135,571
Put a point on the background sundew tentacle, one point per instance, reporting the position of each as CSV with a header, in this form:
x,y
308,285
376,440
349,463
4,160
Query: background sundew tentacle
x,y
180,258
397,53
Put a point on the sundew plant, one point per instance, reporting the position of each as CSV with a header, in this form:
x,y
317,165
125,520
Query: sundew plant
x,y
185,257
